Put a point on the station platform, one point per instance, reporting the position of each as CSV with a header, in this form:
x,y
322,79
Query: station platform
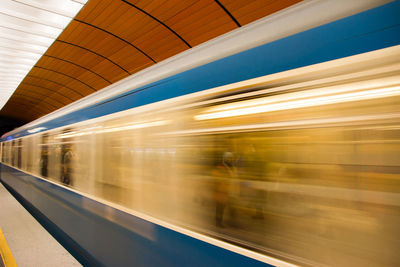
x,y
25,240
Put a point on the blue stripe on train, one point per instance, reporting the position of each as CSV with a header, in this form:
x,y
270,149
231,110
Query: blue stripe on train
x,y
367,31
97,234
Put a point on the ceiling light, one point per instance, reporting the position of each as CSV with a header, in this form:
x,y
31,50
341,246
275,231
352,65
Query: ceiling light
x,y
27,29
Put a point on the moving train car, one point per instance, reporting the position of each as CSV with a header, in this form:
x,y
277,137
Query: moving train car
x,y
274,145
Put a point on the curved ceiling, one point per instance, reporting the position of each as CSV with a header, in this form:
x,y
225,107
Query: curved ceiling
x,y
112,39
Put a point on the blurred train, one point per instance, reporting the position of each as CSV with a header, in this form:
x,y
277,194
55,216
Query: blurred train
x,y
276,144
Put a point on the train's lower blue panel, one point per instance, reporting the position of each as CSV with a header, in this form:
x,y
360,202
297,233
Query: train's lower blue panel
x,y
97,234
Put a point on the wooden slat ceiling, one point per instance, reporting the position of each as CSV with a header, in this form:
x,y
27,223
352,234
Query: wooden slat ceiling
x,y
112,39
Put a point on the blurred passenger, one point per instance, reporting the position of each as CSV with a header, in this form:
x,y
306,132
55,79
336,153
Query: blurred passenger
x,y
67,166
223,174
44,157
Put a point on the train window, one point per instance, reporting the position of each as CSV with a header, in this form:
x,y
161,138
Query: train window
x,y
23,153
53,151
109,179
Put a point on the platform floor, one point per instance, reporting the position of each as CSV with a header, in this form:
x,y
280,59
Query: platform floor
x,y
30,244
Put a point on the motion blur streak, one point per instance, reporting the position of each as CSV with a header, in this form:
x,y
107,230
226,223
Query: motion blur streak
x,y
269,105
306,171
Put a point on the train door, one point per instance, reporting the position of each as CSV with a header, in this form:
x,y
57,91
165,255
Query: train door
x,y
13,153
2,152
19,153
7,153
54,151
67,157
108,179
77,151
29,152
24,153
44,156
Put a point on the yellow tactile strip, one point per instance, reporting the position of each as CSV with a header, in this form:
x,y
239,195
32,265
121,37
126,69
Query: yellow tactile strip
x,y
5,253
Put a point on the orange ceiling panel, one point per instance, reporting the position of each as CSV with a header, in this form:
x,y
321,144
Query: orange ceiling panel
x,y
112,39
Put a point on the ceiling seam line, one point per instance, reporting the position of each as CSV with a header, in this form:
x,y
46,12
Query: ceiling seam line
x,y
22,49
61,73
31,20
18,30
116,36
159,21
31,42
19,104
55,92
47,111
44,9
23,102
38,77
34,112
34,85
84,48
34,99
228,13
25,90
40,113
79,66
